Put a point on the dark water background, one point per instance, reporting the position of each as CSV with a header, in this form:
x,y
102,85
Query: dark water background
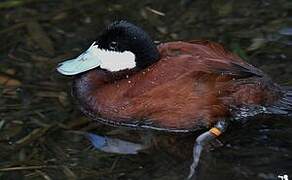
x,y
37,111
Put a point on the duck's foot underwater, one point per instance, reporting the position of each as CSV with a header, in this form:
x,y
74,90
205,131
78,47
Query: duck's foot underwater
x,y
201,141
114,145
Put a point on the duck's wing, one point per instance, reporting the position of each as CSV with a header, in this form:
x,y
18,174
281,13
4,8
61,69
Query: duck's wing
x,y
211,57
220,60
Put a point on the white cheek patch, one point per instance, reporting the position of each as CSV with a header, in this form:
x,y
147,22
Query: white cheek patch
x,y
116,61
95,57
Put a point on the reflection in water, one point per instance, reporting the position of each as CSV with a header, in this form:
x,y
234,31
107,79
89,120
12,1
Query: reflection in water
x,y
259,149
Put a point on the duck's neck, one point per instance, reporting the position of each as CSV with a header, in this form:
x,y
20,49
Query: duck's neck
x,y
87,86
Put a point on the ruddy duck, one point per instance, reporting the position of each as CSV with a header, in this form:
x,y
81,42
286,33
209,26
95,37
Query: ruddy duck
x,y
124,79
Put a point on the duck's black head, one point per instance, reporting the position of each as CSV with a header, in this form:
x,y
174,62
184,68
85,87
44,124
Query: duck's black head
x,y
123,36
121,46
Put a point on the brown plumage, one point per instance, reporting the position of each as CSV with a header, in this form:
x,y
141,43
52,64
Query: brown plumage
x,y
124,79
193,85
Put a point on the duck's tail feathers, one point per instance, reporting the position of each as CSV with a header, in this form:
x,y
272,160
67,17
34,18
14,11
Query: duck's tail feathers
x,y
284,105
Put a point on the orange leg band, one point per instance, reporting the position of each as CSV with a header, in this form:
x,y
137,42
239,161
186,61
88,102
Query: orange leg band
x,y
215,131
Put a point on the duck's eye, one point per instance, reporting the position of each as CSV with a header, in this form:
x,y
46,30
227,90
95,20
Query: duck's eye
x,y
113,45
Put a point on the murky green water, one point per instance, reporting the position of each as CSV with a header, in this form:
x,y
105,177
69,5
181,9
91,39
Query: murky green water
x,y
37,111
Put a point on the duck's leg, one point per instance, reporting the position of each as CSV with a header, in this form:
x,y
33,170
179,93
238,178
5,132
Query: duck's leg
x,y
203,139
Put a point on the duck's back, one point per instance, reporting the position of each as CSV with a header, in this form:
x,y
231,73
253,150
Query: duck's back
x,y
193,85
